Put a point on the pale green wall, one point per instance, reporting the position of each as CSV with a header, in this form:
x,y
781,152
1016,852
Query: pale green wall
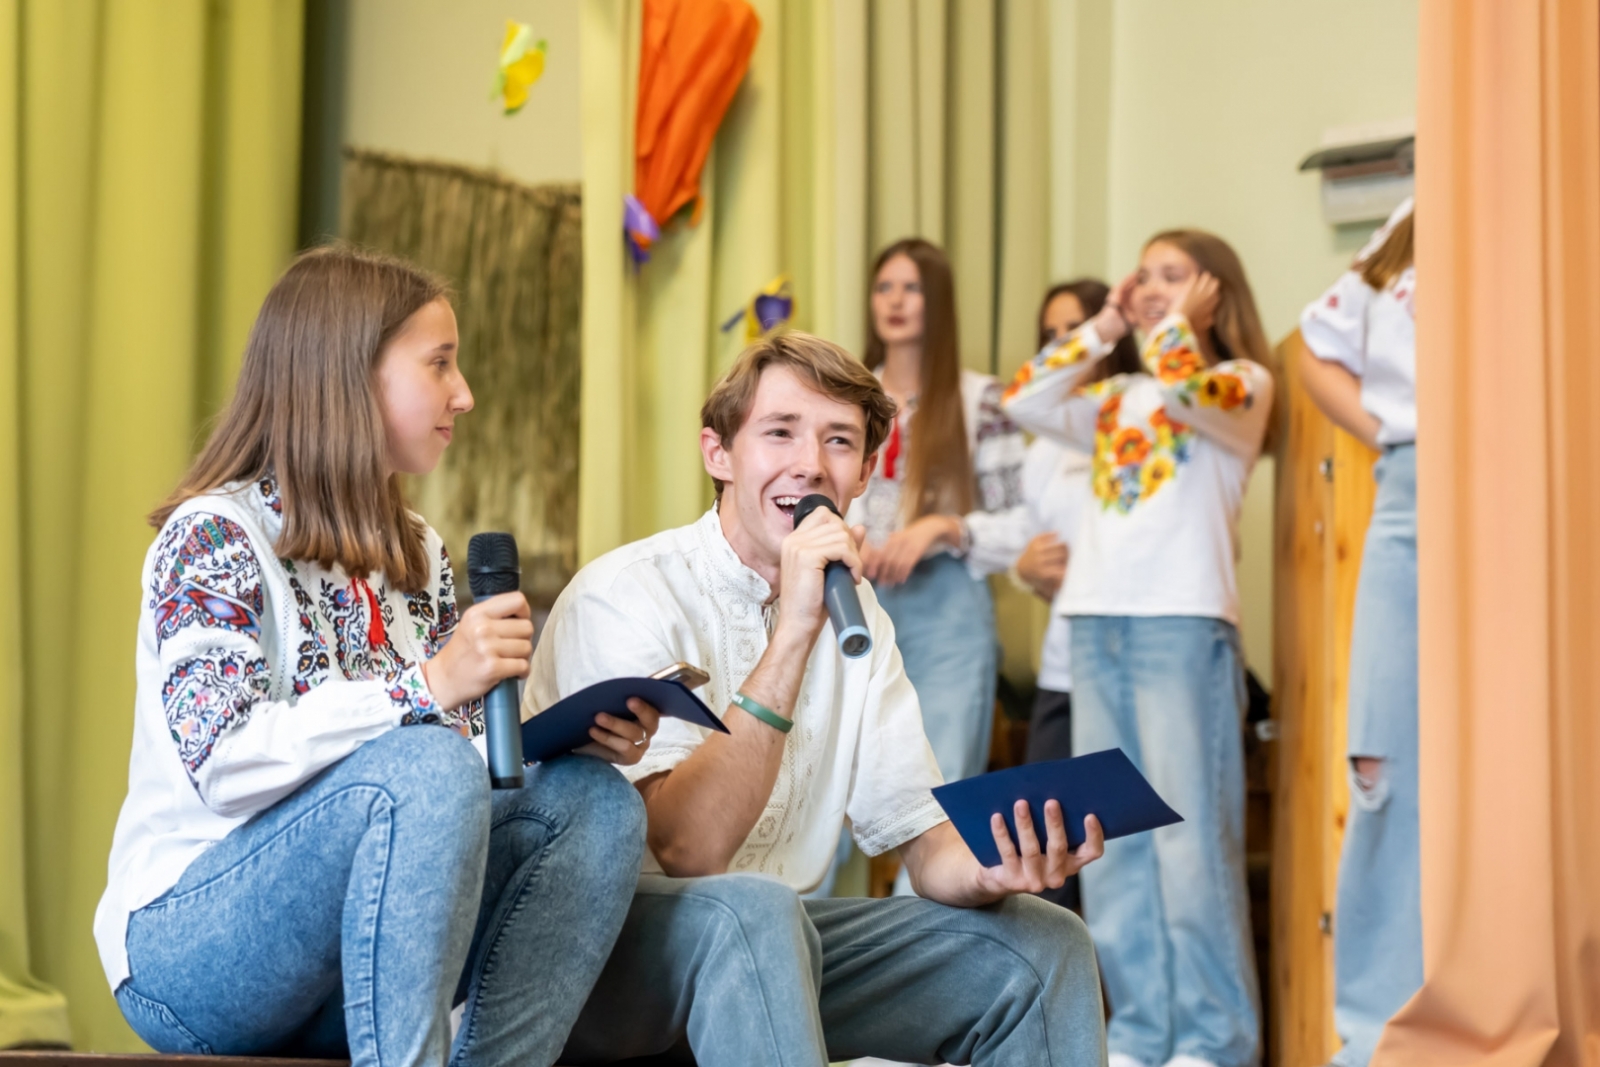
x,y
1162,113
419,75
1211,106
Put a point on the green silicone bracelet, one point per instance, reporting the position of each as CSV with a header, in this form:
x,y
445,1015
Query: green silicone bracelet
x,y
764,713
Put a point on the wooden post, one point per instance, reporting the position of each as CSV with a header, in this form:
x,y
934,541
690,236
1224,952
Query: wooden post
x,y
1324,501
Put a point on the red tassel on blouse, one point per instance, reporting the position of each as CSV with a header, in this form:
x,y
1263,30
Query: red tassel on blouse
x,y
377,637
891,452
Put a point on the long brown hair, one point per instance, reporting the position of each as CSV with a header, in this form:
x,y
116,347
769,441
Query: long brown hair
x,y
1236,331
1391,258
305,411
1091,295
939,474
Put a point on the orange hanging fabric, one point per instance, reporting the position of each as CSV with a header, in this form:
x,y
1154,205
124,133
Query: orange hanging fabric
x,y
692,57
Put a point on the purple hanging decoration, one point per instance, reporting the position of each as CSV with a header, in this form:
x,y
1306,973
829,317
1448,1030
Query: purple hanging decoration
x,y
639,228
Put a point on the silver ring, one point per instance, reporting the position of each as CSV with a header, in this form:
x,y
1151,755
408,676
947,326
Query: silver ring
x,y
641,741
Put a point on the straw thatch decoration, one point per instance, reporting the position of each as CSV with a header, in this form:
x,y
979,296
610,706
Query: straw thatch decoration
x,y
513,254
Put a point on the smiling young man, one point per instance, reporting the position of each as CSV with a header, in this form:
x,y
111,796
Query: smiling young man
x,y
720,956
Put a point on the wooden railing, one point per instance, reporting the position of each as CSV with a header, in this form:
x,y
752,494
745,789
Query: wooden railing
x,y
1324,499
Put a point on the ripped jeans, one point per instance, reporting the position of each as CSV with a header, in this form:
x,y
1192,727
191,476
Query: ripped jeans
x,y
1377,942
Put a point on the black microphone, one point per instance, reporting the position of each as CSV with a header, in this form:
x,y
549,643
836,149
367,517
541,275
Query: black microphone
x,y
839,590
492,569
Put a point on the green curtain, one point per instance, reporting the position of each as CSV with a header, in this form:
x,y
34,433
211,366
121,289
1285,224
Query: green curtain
x,y
513,254
857,124
148,183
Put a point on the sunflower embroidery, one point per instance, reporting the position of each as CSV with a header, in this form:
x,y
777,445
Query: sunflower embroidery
x,y
1131,464
1065,354
1218,389
1178,363
1130,446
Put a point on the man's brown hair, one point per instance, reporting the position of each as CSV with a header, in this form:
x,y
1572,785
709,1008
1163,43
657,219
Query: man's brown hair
x,y
822,365
305,411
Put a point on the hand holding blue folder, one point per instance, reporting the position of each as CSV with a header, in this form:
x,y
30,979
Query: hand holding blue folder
x,y
1104,784
564,725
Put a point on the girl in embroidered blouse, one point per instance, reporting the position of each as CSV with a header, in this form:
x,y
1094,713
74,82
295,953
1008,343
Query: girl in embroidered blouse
x,y
293,872
941,503
1156,664
1359,367
1055,485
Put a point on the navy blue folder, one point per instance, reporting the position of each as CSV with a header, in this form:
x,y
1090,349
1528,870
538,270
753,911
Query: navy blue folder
x,y
1104,784
564,725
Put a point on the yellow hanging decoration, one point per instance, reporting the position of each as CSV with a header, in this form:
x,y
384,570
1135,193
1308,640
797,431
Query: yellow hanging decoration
x,y
521,64
772,307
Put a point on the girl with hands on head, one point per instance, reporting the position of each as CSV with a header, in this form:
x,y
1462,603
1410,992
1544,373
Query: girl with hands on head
x,y
1055,489
1152,599
305,702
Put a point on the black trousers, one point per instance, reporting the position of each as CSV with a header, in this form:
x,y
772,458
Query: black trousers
x,y
1050,737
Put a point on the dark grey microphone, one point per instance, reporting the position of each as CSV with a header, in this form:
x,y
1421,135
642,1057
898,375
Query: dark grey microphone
x,y
492,569
839,590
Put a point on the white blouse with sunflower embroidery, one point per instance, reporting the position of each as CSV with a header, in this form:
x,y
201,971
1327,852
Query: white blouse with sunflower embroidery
x,y
1171,455
254,674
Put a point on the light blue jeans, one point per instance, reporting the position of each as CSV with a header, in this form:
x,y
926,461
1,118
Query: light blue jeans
x,y
351,915
736,970
1169,910
944,626
945,630
1377,931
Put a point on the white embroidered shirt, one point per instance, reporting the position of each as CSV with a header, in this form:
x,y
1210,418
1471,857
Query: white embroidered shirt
x,y
1171,453
997,524
253,675
857,751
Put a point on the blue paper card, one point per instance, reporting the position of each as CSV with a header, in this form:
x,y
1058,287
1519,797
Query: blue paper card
x,y
564,725
1104,784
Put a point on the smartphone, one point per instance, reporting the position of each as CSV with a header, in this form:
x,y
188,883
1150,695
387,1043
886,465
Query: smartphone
x,y
687,674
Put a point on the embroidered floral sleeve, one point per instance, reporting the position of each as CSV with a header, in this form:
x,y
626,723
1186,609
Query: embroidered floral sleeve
x,y
206,597
468,718
246,738
997,528
1044,394
1229,403
1334,327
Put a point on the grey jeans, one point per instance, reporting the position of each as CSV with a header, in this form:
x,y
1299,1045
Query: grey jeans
x,y
737,969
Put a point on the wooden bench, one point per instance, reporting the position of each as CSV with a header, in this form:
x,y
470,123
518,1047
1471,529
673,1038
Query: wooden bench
x,y
62,1058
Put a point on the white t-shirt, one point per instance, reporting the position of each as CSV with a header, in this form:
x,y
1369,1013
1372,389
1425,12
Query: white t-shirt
x,y
1055,483
857,750
1373,335
1171,455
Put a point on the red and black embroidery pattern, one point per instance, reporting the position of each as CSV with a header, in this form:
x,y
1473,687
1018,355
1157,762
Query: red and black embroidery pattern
x,y
205,575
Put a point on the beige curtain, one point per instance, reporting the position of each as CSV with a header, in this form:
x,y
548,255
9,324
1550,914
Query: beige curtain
x,y
148,182
512,253
1508,386
857,124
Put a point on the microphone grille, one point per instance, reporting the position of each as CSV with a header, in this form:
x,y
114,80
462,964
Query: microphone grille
x,y
492,566
811,502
